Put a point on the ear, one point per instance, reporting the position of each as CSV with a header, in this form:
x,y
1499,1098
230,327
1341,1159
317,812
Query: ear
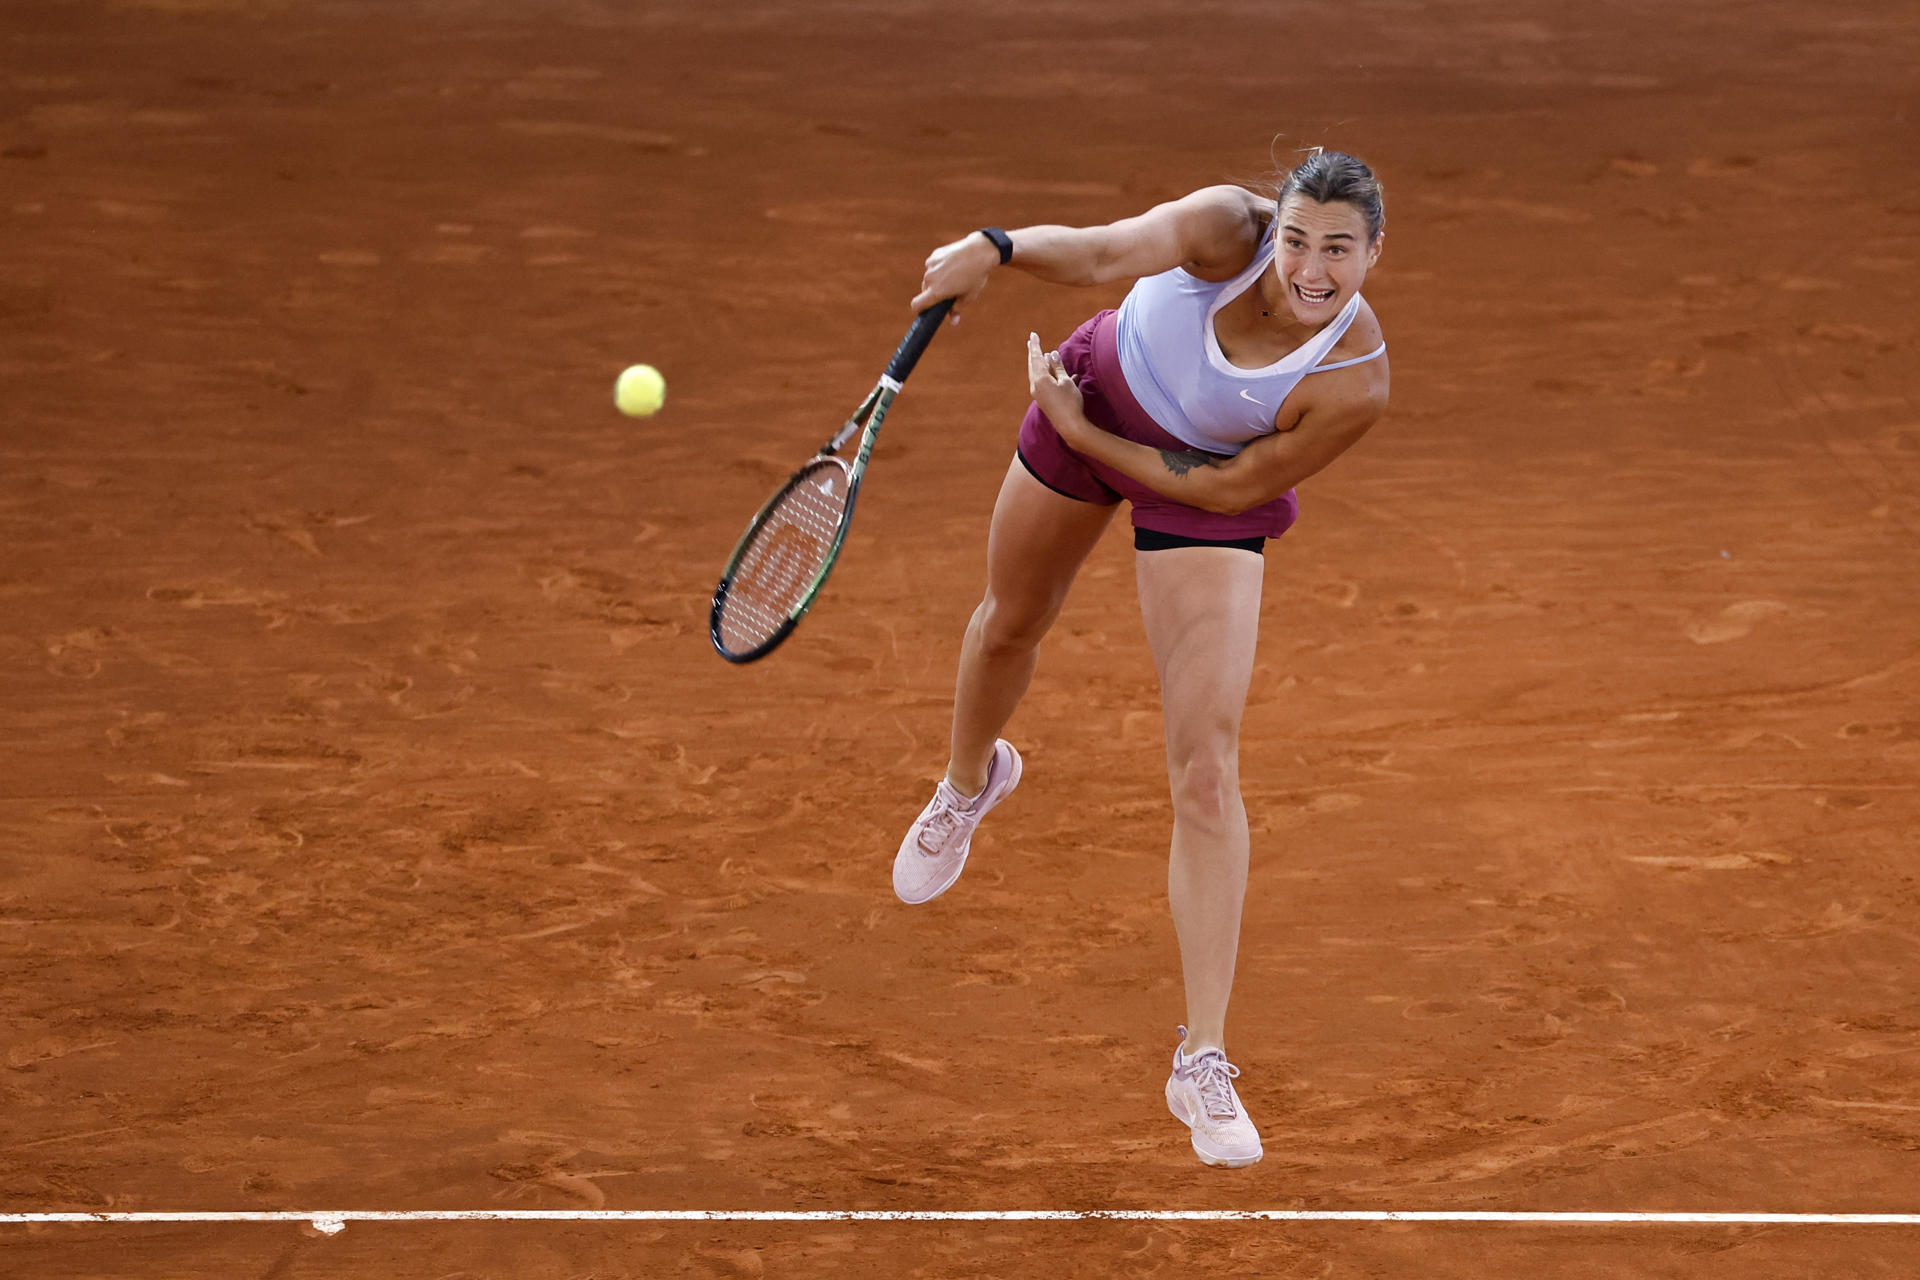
x,y
1373,250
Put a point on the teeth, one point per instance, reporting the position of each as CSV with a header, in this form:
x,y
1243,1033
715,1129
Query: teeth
x,y
1313,295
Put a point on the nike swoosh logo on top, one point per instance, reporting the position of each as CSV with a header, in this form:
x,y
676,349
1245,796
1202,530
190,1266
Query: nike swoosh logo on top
x,y
1245,396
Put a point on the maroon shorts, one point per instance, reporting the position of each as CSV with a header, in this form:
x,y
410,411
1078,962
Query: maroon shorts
x,y
1092,357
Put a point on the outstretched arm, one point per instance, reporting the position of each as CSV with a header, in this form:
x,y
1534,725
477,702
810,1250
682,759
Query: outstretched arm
x,y
1259,473
1212,231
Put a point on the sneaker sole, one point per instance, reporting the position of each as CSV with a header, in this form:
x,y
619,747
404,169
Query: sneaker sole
x,y
1218,1159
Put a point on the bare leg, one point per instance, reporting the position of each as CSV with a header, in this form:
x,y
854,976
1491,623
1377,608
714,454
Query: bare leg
x,y
1201,606
1037,544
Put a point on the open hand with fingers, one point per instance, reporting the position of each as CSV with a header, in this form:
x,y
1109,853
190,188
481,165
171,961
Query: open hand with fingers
x,y
1055,391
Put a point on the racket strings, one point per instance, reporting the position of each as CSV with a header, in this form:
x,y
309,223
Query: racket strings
x,y
777,572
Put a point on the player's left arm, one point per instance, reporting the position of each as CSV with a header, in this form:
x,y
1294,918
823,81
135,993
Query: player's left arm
x,y
1259,473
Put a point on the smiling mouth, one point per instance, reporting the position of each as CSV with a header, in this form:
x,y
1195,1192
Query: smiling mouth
x,y
1313,297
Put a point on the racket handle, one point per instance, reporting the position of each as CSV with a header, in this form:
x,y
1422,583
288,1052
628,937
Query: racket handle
x,y
925,325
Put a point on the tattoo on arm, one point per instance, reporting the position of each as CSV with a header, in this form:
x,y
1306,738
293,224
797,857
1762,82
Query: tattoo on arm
x,y
1187,460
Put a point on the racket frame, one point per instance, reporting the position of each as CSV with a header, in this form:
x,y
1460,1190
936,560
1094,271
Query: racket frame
x,y
866,419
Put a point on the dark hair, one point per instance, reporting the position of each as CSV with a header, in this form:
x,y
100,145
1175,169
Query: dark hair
x,y
1327,176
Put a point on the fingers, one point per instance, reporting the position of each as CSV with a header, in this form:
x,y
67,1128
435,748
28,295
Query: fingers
x,y
959,271
1045,368
929,291
1040,365
928,295
1045,365
929,277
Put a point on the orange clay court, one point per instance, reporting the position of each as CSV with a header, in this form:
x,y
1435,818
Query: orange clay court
x,y
378,830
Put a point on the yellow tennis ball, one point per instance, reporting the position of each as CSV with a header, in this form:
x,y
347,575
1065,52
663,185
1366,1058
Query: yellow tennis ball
x,y
640,391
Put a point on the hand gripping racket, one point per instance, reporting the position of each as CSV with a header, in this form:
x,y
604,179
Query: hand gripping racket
x,y
782,561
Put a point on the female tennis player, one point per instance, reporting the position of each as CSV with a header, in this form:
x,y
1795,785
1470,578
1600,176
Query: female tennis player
x,y
1243,361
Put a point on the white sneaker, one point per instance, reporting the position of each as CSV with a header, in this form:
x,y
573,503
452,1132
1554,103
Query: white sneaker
x,y
1201,1095
935,850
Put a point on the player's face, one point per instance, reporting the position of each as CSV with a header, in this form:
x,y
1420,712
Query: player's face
x,y
1324,255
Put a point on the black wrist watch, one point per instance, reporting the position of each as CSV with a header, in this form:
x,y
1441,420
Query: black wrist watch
x,y
1001,241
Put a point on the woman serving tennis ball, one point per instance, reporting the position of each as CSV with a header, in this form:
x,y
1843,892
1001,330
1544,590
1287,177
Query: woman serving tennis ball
x,y
1243,361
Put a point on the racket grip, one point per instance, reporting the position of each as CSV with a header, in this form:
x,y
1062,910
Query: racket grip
x,y
925,325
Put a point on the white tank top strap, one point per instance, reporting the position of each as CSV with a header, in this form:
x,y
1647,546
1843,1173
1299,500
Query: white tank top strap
x,y
1374,354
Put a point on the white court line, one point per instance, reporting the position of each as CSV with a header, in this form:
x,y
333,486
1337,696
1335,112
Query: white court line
x,y
333,1221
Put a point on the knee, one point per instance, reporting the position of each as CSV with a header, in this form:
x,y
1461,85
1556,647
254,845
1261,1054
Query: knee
x,y
1206,782
1013,626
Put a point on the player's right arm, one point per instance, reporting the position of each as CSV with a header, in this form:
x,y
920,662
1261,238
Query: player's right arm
x,y
1212,233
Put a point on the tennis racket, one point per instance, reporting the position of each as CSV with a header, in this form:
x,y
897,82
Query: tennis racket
x,y
782,561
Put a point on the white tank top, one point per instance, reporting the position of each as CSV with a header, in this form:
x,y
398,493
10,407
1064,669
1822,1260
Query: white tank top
x,y
1176,370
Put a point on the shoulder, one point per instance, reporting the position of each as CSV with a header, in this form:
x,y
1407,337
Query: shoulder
x,y
1357,394
1362,336
1222,228
1233,203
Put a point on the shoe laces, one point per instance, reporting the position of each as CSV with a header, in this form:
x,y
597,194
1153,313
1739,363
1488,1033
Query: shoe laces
x,y
1213,1077
940,824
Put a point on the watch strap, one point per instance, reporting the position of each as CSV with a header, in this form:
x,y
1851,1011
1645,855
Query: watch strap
x,y
1001,241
